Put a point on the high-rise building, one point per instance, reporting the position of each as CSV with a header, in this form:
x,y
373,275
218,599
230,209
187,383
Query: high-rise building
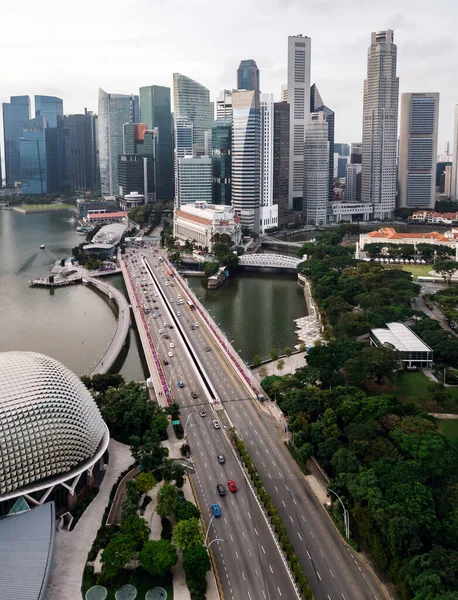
x,y
155,111
208,144
15,113
316,170
342,149
418,150
356,153
248,75
137,170
353,182
284,92
380,125
33,156
194,181
268,214
80,152
115,110
221,160
191,101
52,109
448,181
281,160
246,157
299,57
224,105
317,105
454,185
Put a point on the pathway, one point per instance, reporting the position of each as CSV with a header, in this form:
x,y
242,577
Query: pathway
x,y
72,547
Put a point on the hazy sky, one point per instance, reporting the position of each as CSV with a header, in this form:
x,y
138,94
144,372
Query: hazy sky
x,y
69,49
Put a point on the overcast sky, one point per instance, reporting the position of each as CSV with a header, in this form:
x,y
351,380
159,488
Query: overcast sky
x,y
69,49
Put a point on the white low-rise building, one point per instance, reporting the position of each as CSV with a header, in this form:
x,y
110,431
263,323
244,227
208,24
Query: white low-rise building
x,y
199,222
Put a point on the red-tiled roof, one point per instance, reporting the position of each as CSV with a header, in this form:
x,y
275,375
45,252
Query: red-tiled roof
x,y
195,218
389,233
103,215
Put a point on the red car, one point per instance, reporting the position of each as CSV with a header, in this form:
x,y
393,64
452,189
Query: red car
x,y
231,485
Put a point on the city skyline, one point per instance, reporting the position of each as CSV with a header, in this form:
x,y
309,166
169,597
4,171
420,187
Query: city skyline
x,y
338,60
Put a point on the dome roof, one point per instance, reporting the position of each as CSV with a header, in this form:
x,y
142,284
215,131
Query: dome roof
x,y
49,422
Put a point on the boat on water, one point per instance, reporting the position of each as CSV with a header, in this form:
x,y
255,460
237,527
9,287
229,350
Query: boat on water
x,y
83,229
42,247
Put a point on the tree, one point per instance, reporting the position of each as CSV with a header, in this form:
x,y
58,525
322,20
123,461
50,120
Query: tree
x,y
187,510
144,482
446,269
287,350
257,360
136,527
273,354
120,549
281,364
210,268
263,371
167,500
160,423
438,393
158,557
187,534
196,562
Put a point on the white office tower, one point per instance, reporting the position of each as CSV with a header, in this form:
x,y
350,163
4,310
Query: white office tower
x,y
284,92
183,146
268,214
454,188
352,182
299,55
418,150
316,170
246,156
194,181
224,105
380,125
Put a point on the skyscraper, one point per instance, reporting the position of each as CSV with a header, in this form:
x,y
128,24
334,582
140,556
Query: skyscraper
x,y
316,170
380,124
51,108
356,153
194,181
284,92
248,75
15,113
155,111
342,149
268,214
221,160
299,56
114,111
454,184
33,156
191,100
80,159
137,170
418,150
246,157
317,105
353,182
224,105
281,160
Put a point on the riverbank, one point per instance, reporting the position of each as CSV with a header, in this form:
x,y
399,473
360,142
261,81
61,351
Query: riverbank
x,y
309,329
42,208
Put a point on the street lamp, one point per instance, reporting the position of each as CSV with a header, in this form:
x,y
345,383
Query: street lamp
x,y
208,530
215,540
187,420
345,514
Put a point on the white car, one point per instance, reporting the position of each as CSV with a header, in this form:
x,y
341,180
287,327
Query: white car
x,y
161,331
170,354
166,283
178,296
172,345
196,324
178,314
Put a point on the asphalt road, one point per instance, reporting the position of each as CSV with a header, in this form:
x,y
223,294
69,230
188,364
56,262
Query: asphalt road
x,y
248,561
333,571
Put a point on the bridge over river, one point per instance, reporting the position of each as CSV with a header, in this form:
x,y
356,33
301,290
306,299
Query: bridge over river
x,y
269,261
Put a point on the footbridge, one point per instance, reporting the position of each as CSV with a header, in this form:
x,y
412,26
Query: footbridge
x,y
271,241
269,261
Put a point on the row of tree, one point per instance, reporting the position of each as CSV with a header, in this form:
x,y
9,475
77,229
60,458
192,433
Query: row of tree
x,y
426,251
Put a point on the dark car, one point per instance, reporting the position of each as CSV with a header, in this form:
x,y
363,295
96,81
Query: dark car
x,y
221,489
193,394
221,459
166,362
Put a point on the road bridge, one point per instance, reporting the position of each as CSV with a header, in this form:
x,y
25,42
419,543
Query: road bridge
x,y
271,241
269,261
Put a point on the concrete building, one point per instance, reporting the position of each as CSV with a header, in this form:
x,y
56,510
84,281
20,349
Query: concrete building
x,y
137,165
194,180
418,150
380,124
15,113
106,218
448,181
431,216
131,200
200,221
391,236
353,183
222,160
316,170
317,105
106,204
454,184
246,157
224,105
350,211
208,144
342,149
284,92
248,75
299,58
81,159
268,214
414,352
281,161
191,100
356,153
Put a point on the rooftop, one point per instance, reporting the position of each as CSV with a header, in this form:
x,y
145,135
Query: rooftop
x,y
389,233
110,234
401,337
104,215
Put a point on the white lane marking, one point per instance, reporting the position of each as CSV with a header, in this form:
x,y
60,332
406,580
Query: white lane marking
x,y
264,594
292,520
243,533
237,555
279,590
312,535
321,552
319,577
249,514
255,530
308,554
262,548
332,573
271,570
300,537
295,502
283,502
243,575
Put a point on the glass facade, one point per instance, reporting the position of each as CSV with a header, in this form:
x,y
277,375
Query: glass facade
x,y
281,160
51,108
80,148
317,105
248,75
33,156
15,113
222,161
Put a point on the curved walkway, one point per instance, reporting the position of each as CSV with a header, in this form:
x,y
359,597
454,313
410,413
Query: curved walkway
x,y
72,547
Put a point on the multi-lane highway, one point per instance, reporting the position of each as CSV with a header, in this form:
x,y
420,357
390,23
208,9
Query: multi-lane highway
x,y
334,572
247,556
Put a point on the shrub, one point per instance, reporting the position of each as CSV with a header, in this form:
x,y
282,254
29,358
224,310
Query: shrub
x,y
166,533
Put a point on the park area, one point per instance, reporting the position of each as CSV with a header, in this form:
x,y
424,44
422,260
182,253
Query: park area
x,y
419,270
30,208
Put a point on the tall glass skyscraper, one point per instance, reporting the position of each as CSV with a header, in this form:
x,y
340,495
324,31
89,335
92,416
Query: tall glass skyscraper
x,y
191,100
51,108
317,105
80,158
114,111
33,156
221,160
15,113
155,111
248,75
316,170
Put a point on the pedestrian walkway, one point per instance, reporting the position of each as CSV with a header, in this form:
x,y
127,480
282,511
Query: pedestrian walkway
x,y
291,363
72,547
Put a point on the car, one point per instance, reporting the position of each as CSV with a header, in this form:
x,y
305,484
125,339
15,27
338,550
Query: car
x,y
171,300
170,354
207,349
192,327
216,424
193,394
178,314
172,345
221,459
202,413
216,510
165,324
166,337
166,362
178,295
180,384
221,489
172,284
161,331
232,486
170,326
196,324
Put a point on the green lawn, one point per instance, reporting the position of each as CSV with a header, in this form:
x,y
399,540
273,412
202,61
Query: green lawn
x,y
449,428
46,207
416,270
